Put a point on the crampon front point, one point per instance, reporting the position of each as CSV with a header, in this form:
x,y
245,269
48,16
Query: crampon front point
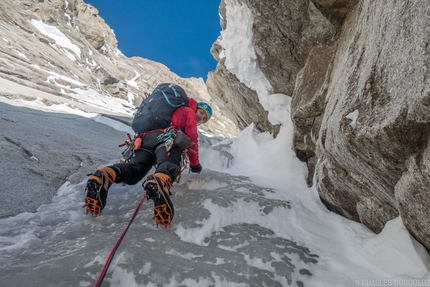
x,y
162,215
92,206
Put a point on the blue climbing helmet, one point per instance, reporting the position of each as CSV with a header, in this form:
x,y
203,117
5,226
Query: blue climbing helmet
x,y
206,108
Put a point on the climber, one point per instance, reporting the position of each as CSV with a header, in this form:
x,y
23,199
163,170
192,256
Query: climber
x,y
153,150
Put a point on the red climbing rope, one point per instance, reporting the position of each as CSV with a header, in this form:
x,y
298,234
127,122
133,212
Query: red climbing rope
x,y
118,242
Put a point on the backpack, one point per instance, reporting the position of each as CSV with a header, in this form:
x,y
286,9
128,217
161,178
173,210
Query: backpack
x,y
156,110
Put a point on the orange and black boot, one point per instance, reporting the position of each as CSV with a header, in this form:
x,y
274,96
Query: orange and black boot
x,y
97,189
157,187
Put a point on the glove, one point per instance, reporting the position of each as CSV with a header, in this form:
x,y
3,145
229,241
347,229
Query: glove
x,y
196,168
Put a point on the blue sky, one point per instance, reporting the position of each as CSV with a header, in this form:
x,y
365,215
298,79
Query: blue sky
x,y
178,34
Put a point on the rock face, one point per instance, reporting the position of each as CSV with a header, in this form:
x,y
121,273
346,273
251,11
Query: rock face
x,y
358,75
375,166
82,56
240,102
283,34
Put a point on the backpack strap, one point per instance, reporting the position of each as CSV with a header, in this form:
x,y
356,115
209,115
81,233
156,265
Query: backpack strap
x,y
176,95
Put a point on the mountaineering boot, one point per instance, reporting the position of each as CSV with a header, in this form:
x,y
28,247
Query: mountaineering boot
x,y
157,187
97,189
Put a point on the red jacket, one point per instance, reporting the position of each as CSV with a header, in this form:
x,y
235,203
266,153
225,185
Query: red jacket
x,y
184,118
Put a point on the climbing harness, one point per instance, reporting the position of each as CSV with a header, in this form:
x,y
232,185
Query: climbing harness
x,y
167,137
171,136
128,153
118,242
131,145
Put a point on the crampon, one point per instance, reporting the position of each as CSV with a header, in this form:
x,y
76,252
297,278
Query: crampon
x,y
92,206
162,215
163,206
92,203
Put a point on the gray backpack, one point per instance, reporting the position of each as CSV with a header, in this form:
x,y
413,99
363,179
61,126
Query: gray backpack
x,y
156,110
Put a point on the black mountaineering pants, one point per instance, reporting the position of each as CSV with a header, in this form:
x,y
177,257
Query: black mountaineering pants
x,y
149,154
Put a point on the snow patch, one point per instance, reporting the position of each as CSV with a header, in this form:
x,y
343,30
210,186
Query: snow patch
x,y
353,117
58,36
